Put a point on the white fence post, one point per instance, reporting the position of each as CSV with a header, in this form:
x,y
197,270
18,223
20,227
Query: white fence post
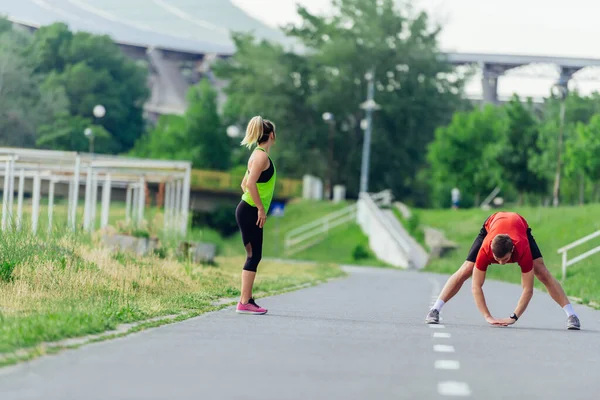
x,y
128,200
35,213
178,202
50,204
135,203
5,195
167,221
75,194
141,201
20,199
11,192
87,214
94,209
105,201
185,204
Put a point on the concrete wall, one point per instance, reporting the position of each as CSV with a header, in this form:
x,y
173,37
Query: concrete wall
x,y
383,241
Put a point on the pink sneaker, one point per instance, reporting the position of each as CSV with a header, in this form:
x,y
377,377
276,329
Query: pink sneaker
x,y
250,308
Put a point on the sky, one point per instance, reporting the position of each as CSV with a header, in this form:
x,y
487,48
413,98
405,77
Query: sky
x,y
533,27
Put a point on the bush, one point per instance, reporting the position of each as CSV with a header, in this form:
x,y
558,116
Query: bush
x,y
360,252
6,269
414,223
221,220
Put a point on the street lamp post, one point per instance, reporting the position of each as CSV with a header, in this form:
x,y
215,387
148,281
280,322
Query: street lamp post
x,y
99,112
89,133
329,118
369,106
561,91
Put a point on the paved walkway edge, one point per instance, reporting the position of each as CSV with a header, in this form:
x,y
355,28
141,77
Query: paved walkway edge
x,y
48,348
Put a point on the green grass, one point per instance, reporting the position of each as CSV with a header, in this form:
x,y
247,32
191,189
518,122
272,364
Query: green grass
x,y
337,247
152,216
70,286
552,229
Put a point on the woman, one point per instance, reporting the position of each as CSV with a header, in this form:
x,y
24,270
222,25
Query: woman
x,y
251,214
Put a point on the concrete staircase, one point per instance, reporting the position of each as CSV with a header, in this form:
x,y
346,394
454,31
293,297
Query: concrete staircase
x,y
388,239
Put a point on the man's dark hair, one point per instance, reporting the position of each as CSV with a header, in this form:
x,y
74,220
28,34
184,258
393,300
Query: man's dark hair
x,y
502,245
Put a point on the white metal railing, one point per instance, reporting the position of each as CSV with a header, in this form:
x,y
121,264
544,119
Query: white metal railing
x,y
314,232
485,203
566,262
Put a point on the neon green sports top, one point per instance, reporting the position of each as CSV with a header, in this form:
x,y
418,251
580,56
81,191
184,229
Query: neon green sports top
x,y
265,185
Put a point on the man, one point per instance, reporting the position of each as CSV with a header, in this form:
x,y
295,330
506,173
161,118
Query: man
x,y
504,238
455,193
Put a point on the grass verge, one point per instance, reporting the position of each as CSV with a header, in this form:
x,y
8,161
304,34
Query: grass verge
x,y
552,228
67,287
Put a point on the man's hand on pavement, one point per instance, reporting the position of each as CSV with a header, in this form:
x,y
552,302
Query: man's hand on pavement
x,y
507,321
496,322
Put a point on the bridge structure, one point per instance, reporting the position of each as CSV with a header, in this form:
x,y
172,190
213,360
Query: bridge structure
x,y
494,66
183,42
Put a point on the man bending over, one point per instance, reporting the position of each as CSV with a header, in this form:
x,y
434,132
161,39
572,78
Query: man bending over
x,y
504,238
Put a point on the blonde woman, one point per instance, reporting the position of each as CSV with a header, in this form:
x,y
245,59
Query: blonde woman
x,y
251,214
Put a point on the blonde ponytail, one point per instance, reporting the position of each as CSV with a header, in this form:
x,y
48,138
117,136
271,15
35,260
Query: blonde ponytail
x,y
254,132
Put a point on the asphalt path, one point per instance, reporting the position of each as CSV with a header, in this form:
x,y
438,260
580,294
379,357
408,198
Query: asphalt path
x,y
362,337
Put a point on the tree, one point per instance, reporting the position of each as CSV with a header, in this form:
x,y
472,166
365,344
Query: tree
x,y
413,86
205,133
167,140
464,154
583,151
519,143
579,109
264,79
198,135
413,82
25,103
92,70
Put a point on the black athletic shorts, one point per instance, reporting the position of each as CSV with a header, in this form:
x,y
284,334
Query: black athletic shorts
x,y
472,257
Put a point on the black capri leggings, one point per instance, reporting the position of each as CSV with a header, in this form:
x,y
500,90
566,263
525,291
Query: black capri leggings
x,y
252,236
472,256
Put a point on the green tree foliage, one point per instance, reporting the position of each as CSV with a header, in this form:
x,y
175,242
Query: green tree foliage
x,y
26,104
464,154
91,70
519,144
205,133
266,80
198,135
413,87
166,140
578,109
583,150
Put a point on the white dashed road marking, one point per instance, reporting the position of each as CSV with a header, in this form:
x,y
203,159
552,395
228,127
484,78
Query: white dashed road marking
x,y
447,364
442,348
446,388
452,388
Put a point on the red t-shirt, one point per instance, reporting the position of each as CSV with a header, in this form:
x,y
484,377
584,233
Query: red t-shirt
x,y
513,225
